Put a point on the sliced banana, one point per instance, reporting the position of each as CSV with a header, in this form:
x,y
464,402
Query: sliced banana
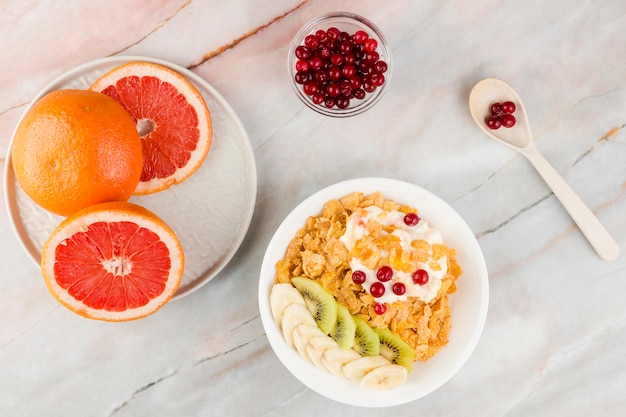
x,y
385,377
281,297
295,315
316,348
301,336
334,359
357,369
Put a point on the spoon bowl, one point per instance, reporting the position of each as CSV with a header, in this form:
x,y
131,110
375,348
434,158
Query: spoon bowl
x,y
519,137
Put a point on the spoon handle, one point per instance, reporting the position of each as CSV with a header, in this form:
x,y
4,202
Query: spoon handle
x,y
594,231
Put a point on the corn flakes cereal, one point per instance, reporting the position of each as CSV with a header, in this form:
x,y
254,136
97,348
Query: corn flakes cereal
x,y
318,253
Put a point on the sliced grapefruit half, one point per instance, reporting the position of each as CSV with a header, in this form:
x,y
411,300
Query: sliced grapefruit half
x,y
114,261
171,116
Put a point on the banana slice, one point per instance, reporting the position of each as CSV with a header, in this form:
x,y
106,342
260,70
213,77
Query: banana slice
x,y
295,315
281,297
301,336
385,377
357,369
316,348
334,359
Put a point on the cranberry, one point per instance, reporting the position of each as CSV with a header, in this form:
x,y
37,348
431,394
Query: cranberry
x,y
348,71
370,45
359,93
411,219
311,42
377,79
496,109
302,65
508,120
380,308
315,62
381,66
334,73
320,75
371,56
321,35
508,107
345,87
310,88
333,33
377,290
384,273
343,102
345,47
360,36
329,102
368,86
302,52
349,59
398,288
301,77
333,90
493,122
358,277
420,277
318,98
324,52
336,59
355,82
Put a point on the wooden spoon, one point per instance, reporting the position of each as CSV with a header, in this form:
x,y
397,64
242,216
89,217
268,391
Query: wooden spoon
x,y
519,137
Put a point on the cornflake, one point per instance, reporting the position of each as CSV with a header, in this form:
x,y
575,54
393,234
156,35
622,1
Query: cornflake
x,y
317,253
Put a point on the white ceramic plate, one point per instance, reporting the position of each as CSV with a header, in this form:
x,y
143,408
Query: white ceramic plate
x,y
468,305
210,211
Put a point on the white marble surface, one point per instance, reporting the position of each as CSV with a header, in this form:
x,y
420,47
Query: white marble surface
x,y
554,343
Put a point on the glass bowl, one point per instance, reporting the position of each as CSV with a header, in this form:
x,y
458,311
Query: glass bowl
x,y
349,23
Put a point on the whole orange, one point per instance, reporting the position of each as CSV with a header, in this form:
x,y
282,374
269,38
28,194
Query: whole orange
x,y
75,148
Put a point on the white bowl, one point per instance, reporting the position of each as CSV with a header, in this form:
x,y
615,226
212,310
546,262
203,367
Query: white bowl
x,y
468,304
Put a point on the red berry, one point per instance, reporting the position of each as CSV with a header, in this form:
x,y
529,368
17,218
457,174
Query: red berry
x,y
411,219
315,62
360,36
311,42
381,66
302,65
321,35
377,290
398,288
343,102
377,79
420,277
493,122
372,56
333,33
310,88
508,120
333,90
302,52
348,71
336,59
370,45
334,73
359,93
508,107
329,102
384,273
358,277
496,109
318,98
380,308
345,87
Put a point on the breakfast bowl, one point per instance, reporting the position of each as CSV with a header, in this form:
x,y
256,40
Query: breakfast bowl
x,y
339,64
467,305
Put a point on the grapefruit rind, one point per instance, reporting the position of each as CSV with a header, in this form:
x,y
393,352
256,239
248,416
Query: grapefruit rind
x,y
193,97
113,212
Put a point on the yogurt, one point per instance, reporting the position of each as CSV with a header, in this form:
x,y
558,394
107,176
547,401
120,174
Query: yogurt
x,y
393,221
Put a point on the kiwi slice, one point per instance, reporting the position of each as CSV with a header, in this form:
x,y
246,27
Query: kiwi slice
x,y
344,329
366,340
321,303
395,349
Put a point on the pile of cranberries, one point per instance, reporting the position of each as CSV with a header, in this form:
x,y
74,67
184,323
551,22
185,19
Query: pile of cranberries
x,y
501,115
334,67
385,273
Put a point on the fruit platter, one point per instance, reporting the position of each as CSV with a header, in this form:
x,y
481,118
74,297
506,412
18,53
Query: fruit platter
x,y
228,169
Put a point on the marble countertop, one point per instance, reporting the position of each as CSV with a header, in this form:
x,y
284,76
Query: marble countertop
x,y
554,342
